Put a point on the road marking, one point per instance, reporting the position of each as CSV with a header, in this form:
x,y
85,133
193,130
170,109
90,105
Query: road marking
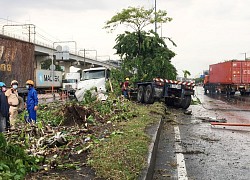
x,y
181,167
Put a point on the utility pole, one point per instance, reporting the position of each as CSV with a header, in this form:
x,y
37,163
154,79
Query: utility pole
x,y
30,26
84,58
155,19
245,56
52,77
29,32
84,53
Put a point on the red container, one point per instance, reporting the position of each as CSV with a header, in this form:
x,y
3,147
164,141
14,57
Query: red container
x,y
206,79
230,72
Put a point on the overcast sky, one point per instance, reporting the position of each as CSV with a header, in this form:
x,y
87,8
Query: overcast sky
x,y
205,31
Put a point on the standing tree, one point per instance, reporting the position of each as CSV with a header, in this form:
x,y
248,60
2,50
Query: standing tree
x,y
143,53
186,73
47,63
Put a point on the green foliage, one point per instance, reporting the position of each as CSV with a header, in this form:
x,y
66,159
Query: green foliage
x,y
186,73
46,65
145,55
89,96
117,77
15,163
199,80
123,156
145,60
196,101
50,114
137,18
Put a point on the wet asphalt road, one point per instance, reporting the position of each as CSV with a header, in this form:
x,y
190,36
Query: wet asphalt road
x,y
202,151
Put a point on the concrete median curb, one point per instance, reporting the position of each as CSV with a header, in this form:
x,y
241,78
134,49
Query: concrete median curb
x,y
154,132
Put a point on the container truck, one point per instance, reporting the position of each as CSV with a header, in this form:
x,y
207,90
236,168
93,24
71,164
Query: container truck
x,y
228,77
175,93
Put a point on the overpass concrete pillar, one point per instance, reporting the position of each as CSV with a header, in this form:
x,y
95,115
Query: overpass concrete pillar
x,y
66,66
39,59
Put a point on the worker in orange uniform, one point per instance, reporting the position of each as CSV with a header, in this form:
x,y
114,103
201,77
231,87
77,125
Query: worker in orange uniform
x,y
13,101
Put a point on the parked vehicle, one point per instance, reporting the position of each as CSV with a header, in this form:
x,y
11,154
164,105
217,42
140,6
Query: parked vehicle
x,y
71,80
228,77
92,77
175,93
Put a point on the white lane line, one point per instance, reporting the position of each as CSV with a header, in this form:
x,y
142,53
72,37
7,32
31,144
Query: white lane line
x,y
181,167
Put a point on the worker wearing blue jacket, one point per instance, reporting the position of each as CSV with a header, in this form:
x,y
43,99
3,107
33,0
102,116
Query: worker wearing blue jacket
x,y
4,107
32,100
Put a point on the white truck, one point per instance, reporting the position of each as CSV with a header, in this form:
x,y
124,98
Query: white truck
x,y
93,77
71,80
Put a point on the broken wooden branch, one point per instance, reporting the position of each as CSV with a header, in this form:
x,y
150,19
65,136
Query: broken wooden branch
x,y
229,124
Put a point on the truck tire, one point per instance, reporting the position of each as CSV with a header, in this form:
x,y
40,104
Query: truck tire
x,y
140,94
169,101
205,90
232,93
149,94
242,93
186,101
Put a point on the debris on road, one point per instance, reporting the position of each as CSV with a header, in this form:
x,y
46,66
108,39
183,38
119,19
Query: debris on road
x,y
212,119
63,137
188,112
229,124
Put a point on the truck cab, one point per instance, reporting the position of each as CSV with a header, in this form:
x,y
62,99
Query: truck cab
x,y
92,77
71,81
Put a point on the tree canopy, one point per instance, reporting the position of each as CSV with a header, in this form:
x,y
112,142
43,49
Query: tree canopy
x,y
153,59
186,73
144,54
137,18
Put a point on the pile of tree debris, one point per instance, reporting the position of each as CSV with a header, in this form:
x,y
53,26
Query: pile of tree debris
x,y
66,146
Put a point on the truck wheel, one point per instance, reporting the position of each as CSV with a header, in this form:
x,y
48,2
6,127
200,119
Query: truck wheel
x,y
148,95
242,93
177,103
185,103
232,93
169,101
140,94
205,90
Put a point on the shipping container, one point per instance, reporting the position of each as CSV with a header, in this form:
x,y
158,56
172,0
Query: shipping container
x,y
229,77
230,72
17,61
44,79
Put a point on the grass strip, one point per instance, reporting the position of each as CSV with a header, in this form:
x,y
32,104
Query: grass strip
x,y
124,155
